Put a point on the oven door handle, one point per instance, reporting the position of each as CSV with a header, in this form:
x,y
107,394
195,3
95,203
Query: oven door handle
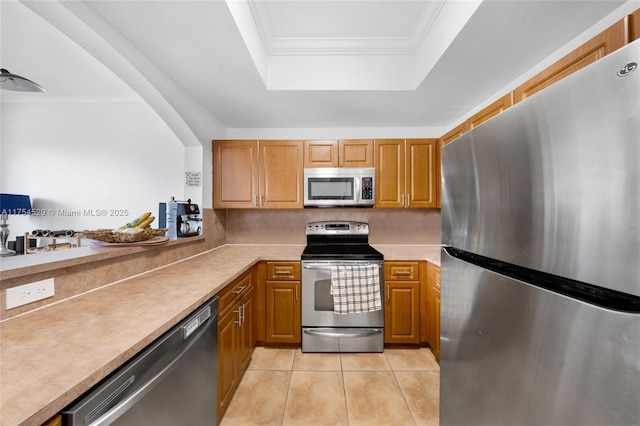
x,y
360,333
328,267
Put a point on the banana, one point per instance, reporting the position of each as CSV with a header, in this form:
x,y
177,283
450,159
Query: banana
x,y
137,221
146,223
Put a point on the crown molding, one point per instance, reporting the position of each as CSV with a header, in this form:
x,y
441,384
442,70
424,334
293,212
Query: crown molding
x,y
310,46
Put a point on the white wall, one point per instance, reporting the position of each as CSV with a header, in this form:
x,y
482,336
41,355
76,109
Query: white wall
x,y
88,157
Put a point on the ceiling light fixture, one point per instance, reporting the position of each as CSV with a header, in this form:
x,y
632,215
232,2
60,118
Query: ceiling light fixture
x,y
16,83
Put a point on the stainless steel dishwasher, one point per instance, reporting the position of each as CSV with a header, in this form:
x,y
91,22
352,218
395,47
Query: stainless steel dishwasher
x,y
171,382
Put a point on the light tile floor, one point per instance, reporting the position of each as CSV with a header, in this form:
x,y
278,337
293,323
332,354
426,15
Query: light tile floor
x,y
288,387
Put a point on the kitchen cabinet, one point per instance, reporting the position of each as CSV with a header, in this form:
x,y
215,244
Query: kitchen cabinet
x,y
634,26
54,421
489,111
433,307
257,174
453,134
402,304
235,337
338,153
599,46
407,173
283,309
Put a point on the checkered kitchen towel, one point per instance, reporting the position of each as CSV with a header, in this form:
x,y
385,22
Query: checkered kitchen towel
x,y
355,289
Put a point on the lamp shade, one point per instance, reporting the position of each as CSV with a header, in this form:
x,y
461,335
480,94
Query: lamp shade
x,y
15,204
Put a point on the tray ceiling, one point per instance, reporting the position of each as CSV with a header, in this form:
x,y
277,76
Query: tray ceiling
x,y
293,64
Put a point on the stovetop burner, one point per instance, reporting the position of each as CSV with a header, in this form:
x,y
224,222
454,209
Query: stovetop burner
x,y
343,240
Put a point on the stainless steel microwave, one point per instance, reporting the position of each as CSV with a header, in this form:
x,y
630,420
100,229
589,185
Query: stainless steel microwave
x,y
339,187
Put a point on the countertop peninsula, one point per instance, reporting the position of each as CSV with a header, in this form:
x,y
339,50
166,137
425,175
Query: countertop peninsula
x,y
52,355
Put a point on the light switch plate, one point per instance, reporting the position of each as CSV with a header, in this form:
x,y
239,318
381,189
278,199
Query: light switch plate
x,y
29,293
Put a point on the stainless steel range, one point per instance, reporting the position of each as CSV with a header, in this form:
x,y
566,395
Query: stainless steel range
x,y
334,247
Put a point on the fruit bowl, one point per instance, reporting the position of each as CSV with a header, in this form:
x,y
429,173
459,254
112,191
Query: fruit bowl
x,y
111,236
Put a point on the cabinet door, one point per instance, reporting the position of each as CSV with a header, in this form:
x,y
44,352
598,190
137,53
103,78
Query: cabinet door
x,y
634,26
402,320
422,181
436,343
246,340
235,178
283,312
356,153
321,153
433,286
490,111
389,161
281,168
227,359
54,421
454,133
604,43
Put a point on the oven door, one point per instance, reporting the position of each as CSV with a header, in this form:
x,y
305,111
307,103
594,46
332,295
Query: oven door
x,y
317,302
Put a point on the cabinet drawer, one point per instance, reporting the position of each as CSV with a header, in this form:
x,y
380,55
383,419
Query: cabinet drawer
x,y
283,271
401,271
228,296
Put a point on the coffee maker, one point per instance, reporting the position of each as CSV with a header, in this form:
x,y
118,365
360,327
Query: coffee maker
x,y
188,220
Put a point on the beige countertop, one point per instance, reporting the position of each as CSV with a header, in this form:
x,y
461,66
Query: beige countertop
x,y
51,356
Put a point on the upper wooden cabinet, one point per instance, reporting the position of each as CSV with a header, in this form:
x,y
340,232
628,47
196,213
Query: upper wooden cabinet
x,y
634,26
453,134
406,173
489,111
338,153
601,45
254,174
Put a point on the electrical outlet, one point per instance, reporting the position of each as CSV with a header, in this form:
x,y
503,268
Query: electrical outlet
x,y
29,293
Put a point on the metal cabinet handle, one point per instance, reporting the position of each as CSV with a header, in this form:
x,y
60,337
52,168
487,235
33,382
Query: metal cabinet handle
x,y
296,292
242,313
402,273
283,273
388,292
239,322
240,289
402,200
408,201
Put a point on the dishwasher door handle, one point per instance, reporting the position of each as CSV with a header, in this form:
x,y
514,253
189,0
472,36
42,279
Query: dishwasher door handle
x,y
123,406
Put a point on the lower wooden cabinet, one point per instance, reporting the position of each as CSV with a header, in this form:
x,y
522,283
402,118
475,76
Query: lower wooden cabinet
x,y
54,421
283,304
433,287
236,338
402,303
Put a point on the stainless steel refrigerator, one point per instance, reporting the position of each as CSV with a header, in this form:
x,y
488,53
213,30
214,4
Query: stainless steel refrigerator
x,y
540,312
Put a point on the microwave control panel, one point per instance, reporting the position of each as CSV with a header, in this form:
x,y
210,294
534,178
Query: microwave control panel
x,y
367,188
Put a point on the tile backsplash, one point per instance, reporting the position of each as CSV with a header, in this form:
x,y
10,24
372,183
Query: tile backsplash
x,y
387,226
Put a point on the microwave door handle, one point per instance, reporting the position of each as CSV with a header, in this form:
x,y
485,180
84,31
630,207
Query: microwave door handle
x,y
358,184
